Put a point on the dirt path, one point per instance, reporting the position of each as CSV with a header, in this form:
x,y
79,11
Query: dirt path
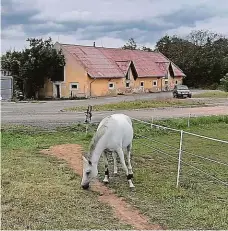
x,y
72,153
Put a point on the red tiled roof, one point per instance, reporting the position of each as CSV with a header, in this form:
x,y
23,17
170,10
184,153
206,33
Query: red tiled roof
x,y
102,62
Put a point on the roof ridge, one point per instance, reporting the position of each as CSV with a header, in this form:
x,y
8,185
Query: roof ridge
x,y
116,48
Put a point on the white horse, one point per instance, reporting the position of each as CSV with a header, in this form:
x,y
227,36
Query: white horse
x,y
114,134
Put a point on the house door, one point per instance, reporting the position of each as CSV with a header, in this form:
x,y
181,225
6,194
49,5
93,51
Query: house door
x,y
57,91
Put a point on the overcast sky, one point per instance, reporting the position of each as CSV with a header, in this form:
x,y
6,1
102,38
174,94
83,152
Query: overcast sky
x,y
108,22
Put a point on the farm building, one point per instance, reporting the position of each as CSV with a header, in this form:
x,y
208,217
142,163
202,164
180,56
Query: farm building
x,y
92,71
6,85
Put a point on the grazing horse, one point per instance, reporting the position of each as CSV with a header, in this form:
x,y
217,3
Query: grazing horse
x,y
114,134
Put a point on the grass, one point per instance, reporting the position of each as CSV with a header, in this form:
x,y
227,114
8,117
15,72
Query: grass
x,y
41,192
200,203
137,104
212,94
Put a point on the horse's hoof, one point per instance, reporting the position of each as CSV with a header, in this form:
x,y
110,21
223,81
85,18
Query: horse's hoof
x,y
115,174
132,188
105,181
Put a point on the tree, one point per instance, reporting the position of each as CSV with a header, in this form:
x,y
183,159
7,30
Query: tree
x,y
202,55
130,45
144,48
34,64
224,82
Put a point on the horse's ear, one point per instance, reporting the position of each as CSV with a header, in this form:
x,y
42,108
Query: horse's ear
x,y
84,159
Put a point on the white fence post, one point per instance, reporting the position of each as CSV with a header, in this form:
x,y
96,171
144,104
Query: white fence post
x,y
152,121
179,159
189,116
87,126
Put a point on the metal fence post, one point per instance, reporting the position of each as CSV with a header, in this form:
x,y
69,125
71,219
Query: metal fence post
x,y
179,159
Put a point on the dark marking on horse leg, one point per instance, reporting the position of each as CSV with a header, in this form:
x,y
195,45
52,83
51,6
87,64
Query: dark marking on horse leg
x,y
129,176
107,172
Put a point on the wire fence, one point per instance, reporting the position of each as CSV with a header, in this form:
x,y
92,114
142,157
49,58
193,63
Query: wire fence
x,y
183,147
178,146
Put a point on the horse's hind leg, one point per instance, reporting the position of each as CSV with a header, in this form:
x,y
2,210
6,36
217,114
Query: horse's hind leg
x,y
129,147
115,162
129,176
106,178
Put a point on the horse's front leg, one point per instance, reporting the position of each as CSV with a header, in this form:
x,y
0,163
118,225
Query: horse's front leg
x,y
129,176
106,178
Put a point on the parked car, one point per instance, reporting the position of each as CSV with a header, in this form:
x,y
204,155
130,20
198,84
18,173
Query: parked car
x,y
181,91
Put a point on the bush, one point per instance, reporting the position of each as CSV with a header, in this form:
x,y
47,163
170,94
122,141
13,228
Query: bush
x,y
224,82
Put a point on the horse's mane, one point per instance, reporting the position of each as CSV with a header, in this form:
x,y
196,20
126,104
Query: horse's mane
x,y
97,136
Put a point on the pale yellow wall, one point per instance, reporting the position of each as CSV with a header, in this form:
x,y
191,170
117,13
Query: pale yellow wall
x,y
148,84
100,87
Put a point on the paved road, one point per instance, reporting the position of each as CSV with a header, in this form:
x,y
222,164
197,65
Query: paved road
x,y
48,114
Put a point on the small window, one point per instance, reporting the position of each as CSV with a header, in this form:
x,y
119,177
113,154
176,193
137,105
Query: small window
x,y
142,84
166,82
176,82
111,85
154,83
74,86
127,84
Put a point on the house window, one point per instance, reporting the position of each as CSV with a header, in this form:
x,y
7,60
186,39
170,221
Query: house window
x,y
141,84
154,83
166,82
127,84
111,85
176,82
74,86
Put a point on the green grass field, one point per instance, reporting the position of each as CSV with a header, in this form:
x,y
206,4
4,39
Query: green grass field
x,y
138,104
41,192
212,94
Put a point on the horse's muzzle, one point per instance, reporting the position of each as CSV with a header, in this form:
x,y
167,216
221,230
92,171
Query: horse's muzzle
x,y
85,186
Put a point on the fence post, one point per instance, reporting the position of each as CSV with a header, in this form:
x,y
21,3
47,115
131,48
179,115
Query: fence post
x,y
87,127
179,159
152,121
189,116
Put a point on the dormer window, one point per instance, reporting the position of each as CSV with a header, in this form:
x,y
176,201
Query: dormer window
x,y
128,75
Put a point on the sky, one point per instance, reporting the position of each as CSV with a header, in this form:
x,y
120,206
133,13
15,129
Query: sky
x,y
110,23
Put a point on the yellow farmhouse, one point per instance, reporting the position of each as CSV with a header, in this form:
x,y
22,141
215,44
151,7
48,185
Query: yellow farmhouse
x,y
92,71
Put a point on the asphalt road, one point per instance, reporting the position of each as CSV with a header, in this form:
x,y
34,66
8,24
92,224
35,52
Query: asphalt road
x,y
48,114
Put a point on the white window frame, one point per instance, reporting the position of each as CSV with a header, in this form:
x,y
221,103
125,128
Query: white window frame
x,y
155,81
113,87
141,85
126,84
74,89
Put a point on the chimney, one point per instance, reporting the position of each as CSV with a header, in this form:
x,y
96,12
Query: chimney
x,y
94,44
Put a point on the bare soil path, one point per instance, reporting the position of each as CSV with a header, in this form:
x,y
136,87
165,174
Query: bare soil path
x,y
72,153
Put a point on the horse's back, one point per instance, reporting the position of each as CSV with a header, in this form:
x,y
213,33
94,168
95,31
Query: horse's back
x,y
119,130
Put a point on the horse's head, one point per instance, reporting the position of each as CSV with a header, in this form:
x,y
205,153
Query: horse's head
x,y
89,173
